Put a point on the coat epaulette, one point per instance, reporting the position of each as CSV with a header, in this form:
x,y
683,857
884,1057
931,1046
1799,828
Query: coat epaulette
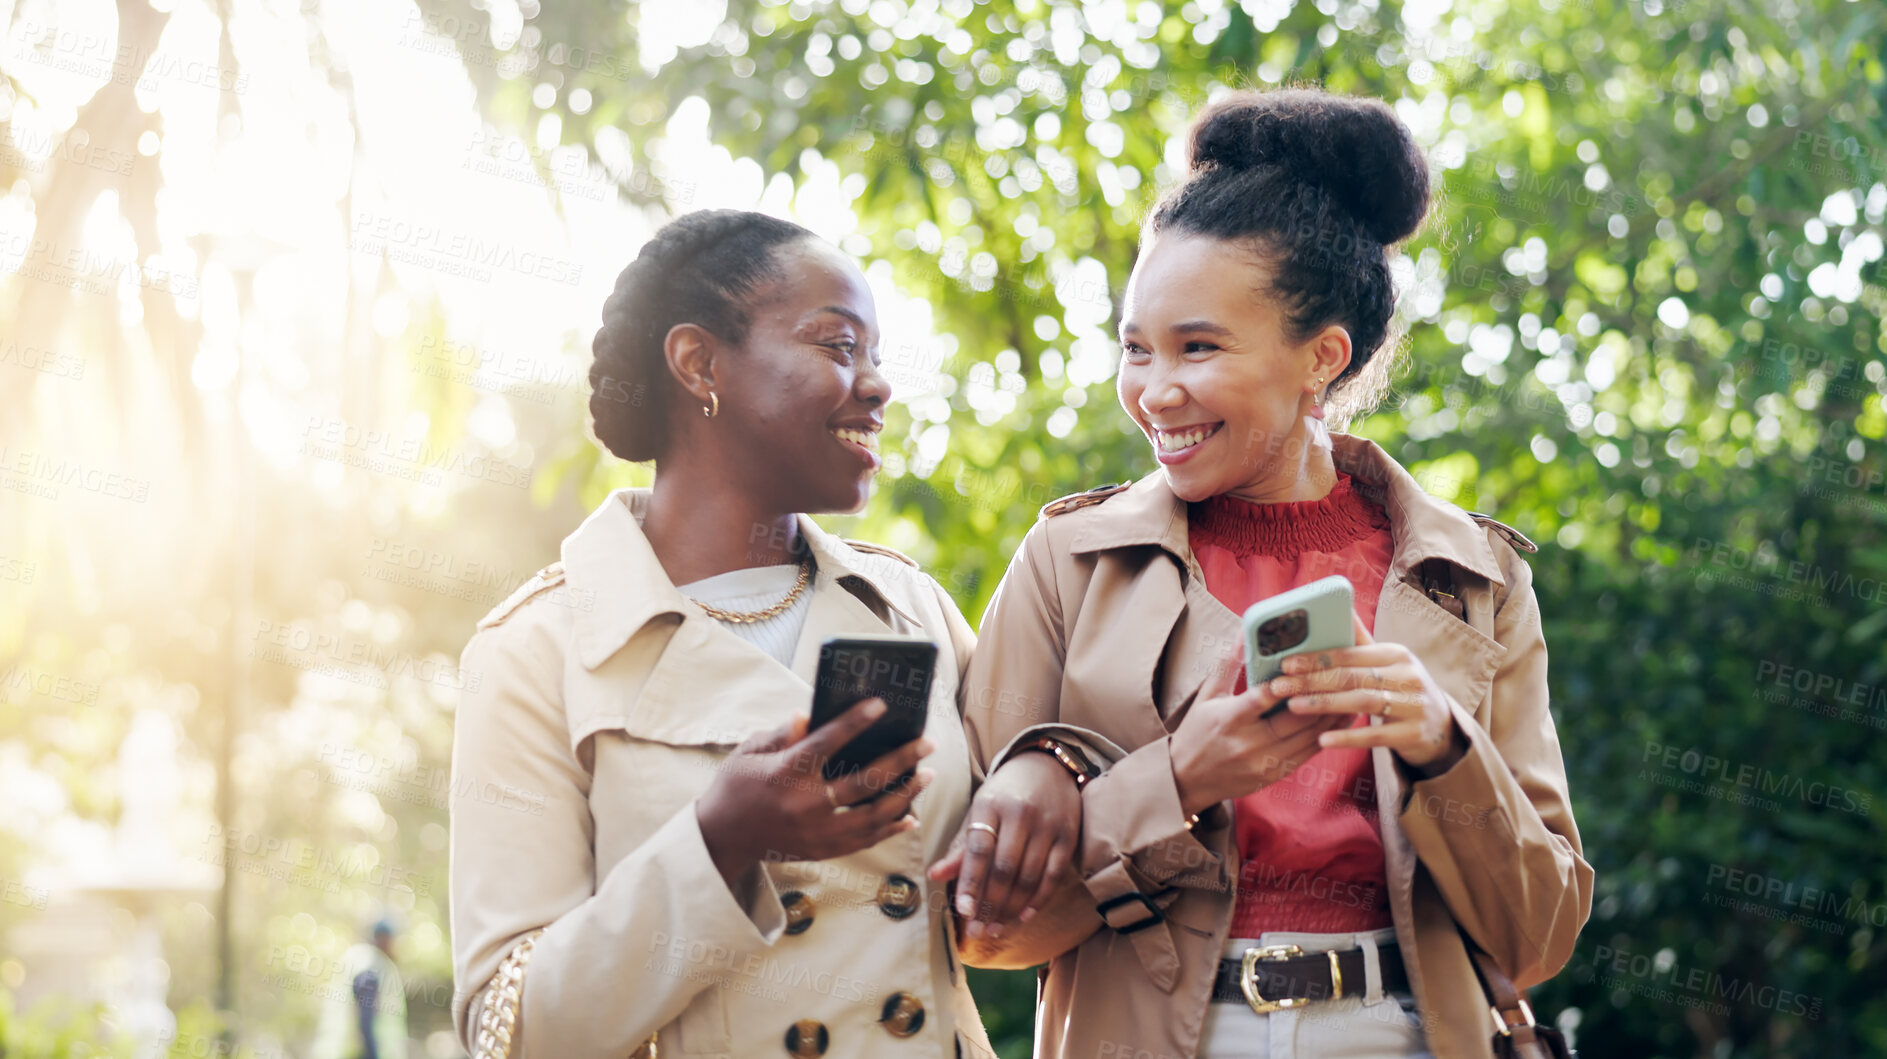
x,y
1514,537
543,581
1075,501
879,549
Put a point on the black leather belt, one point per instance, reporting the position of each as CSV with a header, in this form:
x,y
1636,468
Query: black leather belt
x,y
1276,977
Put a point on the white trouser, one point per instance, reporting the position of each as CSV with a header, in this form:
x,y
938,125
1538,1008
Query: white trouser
x,y
1365,1024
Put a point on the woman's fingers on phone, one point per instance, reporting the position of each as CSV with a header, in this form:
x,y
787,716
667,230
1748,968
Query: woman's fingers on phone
x,y
897,801
778,739
1312,664
1367,671
907,822
825,741
1397,734
1295,725
1223,677
889,770
1389,702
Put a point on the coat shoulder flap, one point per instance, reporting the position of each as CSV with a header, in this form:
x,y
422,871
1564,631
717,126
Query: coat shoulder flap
x,y
1077,501
543,581
1514,537
879,549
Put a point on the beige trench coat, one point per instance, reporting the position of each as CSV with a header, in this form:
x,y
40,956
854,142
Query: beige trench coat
x,y
1103,629
599,703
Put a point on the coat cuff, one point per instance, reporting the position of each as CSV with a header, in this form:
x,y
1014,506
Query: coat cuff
x,y
753,896
1132,812
1442,813
696,910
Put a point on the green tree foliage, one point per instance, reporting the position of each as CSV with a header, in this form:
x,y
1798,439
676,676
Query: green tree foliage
x,y
1645,328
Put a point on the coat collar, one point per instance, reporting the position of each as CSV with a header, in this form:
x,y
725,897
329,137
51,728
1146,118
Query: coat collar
x,y
609,557
1148,513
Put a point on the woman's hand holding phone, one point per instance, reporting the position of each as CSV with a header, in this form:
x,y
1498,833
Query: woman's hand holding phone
x,y
770,798
1383,679
1225,748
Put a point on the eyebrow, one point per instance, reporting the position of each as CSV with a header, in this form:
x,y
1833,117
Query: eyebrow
x,y
1184,327
848,314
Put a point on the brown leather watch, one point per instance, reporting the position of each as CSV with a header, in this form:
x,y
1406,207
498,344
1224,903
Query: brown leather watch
x,y
1069,756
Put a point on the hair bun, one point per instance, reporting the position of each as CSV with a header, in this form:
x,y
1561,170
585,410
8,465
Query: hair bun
x,y
1357,150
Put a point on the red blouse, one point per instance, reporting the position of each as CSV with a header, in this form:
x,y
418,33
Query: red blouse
x,y
1311,850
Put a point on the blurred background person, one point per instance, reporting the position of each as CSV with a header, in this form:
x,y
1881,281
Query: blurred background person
x,y
364,1016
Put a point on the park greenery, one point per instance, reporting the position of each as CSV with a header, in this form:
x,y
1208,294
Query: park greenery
x,y
1644,327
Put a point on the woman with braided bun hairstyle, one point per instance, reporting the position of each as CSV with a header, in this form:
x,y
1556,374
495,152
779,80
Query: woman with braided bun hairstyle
x,y
647,858
1316,879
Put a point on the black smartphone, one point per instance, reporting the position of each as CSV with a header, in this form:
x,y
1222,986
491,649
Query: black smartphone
x,y
896,669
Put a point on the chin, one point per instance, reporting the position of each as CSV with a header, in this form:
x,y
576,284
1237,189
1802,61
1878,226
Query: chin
x,y
1190,485
844,499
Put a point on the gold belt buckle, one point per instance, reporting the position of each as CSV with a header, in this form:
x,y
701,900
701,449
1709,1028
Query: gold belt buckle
x,y
1248,979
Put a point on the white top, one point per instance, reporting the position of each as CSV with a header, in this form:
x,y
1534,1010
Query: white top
x,y
757,588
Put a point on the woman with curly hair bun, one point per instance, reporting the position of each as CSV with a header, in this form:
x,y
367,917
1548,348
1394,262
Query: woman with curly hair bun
x,y
1314,882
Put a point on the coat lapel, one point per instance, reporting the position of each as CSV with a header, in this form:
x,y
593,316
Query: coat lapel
x,y
727,689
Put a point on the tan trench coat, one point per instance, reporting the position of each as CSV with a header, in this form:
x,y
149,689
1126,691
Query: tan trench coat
x,y
1103,629
599,703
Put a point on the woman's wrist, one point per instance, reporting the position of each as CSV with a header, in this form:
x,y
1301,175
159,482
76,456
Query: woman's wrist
x,y
1192,800
722,837
1453,750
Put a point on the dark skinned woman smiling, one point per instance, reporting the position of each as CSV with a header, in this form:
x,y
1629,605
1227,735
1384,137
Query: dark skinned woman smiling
x,y
687,883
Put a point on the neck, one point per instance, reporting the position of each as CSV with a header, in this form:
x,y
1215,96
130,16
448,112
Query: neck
x,y
1305,471
699,527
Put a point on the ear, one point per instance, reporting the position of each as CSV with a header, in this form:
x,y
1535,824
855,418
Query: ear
x,y
690,352
1330,353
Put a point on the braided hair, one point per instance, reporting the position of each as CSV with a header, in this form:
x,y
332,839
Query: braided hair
x,y
1321,185
698,269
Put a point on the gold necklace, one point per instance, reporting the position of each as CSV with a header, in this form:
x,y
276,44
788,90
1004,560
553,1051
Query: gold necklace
x,y
748,617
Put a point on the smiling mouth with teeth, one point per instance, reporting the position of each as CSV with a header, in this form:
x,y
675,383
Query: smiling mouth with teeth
x,y
864,439
1174,441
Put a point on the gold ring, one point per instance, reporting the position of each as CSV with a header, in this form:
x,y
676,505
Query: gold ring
x,y
981,826
832,798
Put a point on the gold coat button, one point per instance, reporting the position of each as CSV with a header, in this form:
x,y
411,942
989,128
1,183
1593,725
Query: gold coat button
x,y
799,911
903,1015
899,897
807,1039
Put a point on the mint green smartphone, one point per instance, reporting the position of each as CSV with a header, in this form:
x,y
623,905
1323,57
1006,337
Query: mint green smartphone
x,y
1313,617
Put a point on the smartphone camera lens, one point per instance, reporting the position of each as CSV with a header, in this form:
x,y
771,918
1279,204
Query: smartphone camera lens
x,y
1283,632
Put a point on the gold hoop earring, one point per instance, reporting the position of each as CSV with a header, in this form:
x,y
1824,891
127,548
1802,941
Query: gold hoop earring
x,y
713,408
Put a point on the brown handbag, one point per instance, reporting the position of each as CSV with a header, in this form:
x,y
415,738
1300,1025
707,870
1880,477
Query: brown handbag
x,y
1516,1034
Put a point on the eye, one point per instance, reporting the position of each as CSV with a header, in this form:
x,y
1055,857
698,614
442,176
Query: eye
x,y
1133,351
1201,347
845,347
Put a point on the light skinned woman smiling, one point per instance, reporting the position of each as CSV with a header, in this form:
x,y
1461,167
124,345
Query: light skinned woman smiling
x,y
1413,795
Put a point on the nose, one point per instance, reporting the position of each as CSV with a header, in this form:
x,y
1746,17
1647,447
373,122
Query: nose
x,y
1161,391
870,385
